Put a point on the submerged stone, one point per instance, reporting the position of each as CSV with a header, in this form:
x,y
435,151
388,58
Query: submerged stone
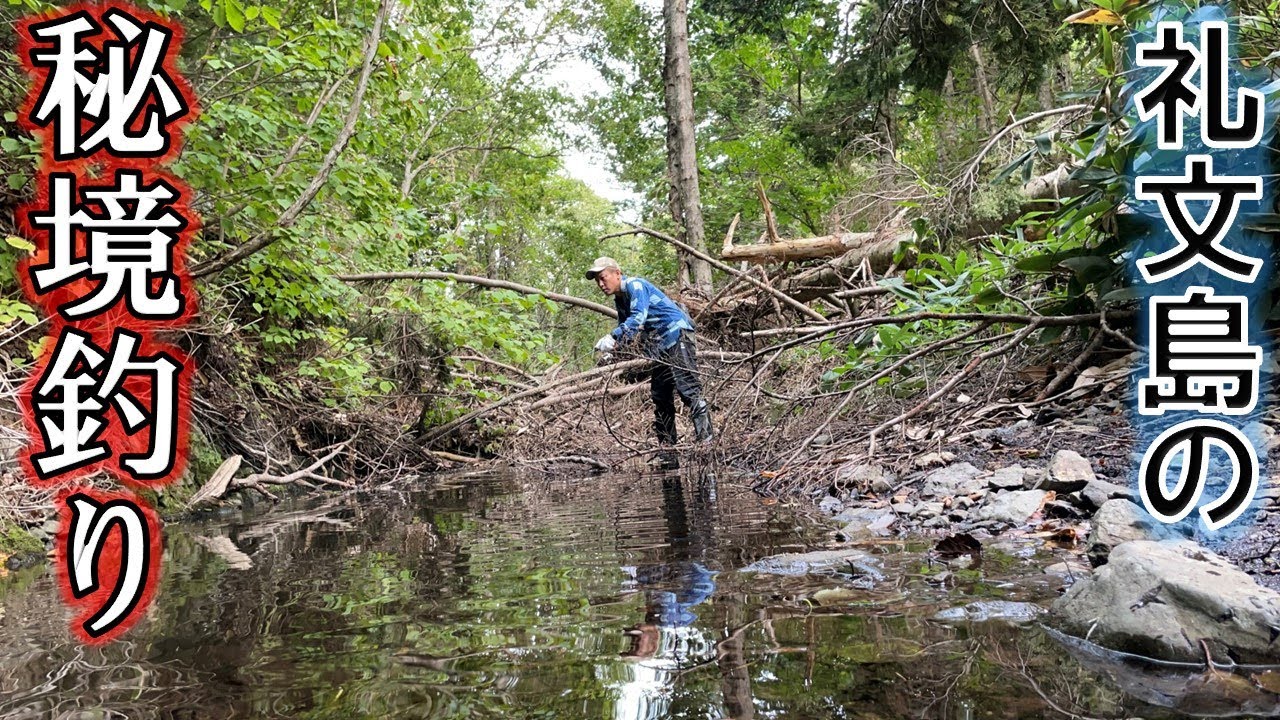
x,y
992,610
848,561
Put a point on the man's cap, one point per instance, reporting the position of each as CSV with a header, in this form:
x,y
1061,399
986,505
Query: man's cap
x,y
600,265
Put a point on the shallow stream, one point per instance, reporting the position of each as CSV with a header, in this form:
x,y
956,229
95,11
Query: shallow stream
x,y
596,597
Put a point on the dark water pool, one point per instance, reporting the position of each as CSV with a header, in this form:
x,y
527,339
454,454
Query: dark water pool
x,y
597,597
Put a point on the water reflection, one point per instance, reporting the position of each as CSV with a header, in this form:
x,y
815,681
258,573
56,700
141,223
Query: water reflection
x,y
666,641
602,597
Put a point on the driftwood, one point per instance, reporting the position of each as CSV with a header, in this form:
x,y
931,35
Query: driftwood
x,y
484,282
217,484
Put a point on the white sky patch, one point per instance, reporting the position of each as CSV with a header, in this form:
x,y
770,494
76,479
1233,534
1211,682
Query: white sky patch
x,y
572,74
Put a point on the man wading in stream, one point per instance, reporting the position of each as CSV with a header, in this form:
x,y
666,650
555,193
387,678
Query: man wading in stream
x,y
664,333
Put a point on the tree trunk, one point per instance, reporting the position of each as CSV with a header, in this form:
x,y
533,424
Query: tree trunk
x,y
986,121
682,158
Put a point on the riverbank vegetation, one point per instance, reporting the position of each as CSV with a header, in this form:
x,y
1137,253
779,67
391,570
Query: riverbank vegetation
x,y
907,214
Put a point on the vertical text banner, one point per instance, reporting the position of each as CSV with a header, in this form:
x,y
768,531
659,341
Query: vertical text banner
x,y
1201,189
108,396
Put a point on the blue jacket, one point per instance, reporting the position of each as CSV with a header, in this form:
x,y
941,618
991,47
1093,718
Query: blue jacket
x,y
643,309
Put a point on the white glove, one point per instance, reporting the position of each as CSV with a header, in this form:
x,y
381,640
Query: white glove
x,y
606,344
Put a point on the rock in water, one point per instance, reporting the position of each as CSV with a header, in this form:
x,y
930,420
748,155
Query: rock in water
x,y
821,562
988,610
1120,521
862,522
1014,508
957,479
830,505
1163,599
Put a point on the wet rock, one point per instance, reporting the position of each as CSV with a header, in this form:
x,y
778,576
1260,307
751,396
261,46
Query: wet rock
x,y
989,610
821,562
1120,521
1164,599
1191,692
958,479
1014,508
1068,569
1008,478
830,505
21,560
864,522
1098,492
1068,472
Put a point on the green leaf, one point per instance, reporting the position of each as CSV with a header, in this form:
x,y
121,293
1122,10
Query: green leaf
x,y
1089,268
234,13
271,16
1044,143
990,296
20,243
1125,294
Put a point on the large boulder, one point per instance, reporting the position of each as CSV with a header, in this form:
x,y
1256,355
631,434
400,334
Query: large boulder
x,y
1119,521
958,479
1171,600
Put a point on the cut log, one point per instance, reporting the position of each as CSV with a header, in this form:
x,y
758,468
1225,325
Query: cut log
x,y
804,248
848,250
824,279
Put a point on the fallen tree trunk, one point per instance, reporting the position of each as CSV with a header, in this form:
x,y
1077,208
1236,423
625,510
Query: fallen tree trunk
x,y
484,282
879,248
802,249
